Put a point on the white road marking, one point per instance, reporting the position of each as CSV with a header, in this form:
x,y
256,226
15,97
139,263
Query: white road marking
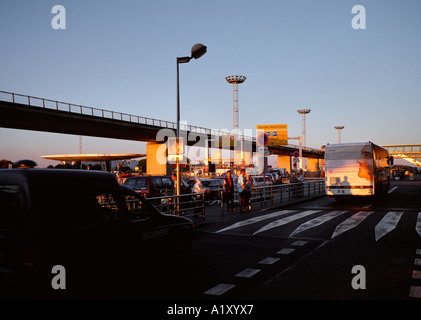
x,y
415,292
269,260
391,190
351,222
418,225
285,251
416,274
299,243
286,220
317,221
255,219
387,224
220,289
247,273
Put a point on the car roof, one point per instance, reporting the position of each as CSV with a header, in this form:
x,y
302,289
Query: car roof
x,y
34,173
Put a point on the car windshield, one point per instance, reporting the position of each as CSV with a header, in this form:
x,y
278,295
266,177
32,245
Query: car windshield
x,y
136,183
167,182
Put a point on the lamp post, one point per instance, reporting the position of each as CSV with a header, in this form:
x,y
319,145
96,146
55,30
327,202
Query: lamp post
x,y
197,51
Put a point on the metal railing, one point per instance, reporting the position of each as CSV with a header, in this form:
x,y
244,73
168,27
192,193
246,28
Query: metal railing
x,y
192,204
272,195
283,193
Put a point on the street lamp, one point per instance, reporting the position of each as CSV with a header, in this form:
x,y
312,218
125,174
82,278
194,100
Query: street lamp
x,y
197,51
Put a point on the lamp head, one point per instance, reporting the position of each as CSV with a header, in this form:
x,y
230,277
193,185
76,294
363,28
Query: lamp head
x,y
198,50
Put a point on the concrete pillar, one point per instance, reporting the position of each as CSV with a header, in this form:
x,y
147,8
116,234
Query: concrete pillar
x,y
156,161
312,165
284,162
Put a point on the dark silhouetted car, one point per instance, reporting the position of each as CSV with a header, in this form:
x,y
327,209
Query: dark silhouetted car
x,y
151,186
106,237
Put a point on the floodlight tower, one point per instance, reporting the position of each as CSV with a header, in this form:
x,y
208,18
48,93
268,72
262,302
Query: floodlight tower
x,y
303,113
235,80
339,128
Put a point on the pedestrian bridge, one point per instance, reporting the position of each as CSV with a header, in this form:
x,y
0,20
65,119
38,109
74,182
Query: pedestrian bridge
x,y
25,112
410,152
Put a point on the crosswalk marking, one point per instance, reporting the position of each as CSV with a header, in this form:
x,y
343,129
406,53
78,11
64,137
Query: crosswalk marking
x,y
317,221
256,219
387,224
351,222
286,220
418,225
391,190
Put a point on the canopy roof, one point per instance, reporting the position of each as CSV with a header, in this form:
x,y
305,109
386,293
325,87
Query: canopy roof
x,y
93,157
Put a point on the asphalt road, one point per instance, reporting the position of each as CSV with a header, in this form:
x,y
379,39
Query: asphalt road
x,y
307,251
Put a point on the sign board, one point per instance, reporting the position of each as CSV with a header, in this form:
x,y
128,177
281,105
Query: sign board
x,y
277,133
262,139
175,157
175,146
225,141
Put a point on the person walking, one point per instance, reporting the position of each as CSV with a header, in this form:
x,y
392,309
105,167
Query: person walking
x,y
249,186
174,179
198,188
241,188
300,180
229,191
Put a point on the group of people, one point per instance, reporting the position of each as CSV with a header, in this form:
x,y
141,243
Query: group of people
x,y
244,187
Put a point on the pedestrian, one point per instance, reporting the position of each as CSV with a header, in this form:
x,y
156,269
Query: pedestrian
x,y
241,188
300,179
198,188
229,191
249,186
300,176
174,178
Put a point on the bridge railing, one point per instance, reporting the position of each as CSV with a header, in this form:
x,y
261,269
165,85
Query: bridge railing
x,y
107,114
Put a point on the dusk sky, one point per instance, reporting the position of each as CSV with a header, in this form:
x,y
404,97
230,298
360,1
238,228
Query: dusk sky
x,y
121,56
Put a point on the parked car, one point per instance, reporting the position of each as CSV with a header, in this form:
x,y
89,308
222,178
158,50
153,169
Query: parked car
x,y
151,186
82,221
215,186
260,181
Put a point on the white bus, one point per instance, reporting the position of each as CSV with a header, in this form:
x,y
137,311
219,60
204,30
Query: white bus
x,y
356,169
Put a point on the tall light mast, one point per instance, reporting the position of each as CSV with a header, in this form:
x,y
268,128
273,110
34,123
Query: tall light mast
x,y
339,128
235,80
303,113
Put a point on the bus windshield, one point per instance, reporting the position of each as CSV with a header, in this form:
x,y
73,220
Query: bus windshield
x,y
349,152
